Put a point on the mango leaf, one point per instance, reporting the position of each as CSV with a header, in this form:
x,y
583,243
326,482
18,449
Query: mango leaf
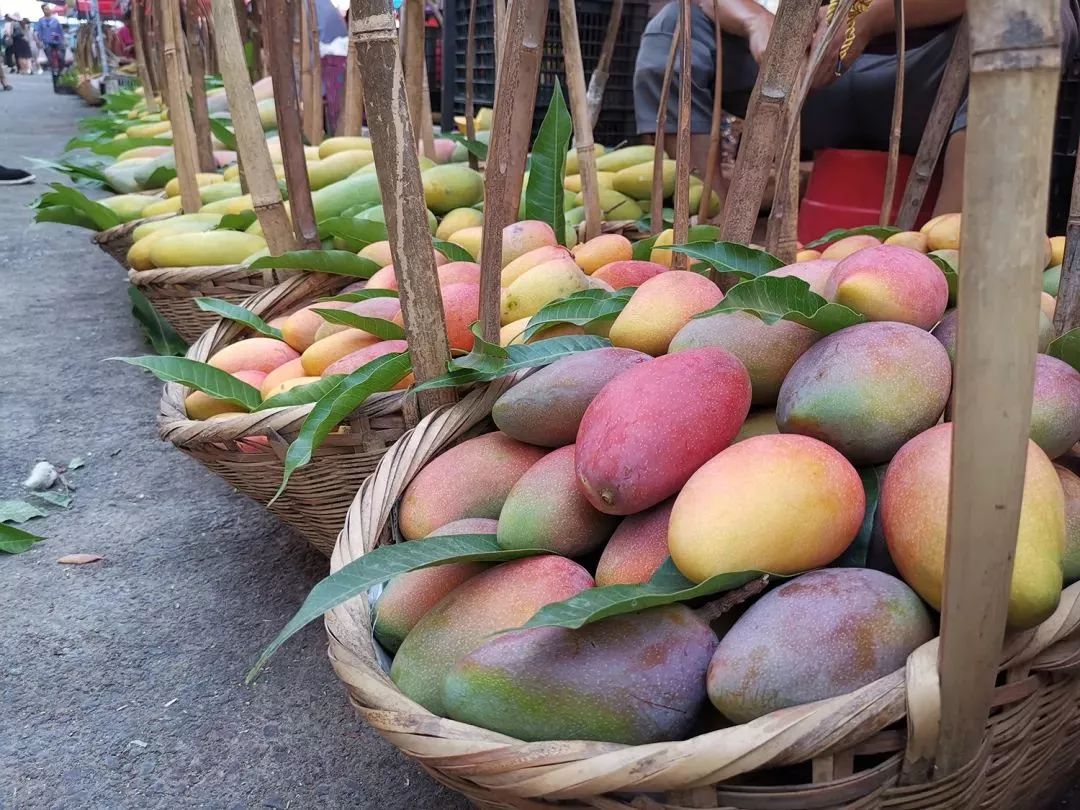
x,y
1067,348
881,232
200,376
580,309
361,295
667,219
223,133
380,327
113,148
455,253
234,312
384,563
642,249
16,511
359,208
236,222
14,540
338,262
73,169
528,355
544,193
666,587
159,331
786,298
64,215
855,554
381,374
102,217
159,177
472,146
357,232
729,257
61,499
951,278
485,357
302,394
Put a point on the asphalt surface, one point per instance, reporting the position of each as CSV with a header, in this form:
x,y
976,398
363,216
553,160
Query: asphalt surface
x,y
121,682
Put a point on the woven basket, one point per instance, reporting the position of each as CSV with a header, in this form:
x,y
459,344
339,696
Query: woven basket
x,y
173,290
867,749
319,494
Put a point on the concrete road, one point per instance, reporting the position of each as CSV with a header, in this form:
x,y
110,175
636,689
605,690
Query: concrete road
x,y
121,681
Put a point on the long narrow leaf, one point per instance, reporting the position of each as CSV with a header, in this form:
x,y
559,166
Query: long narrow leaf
x,y
302,394
234,312
64,215
200,376
102,217
951,278
113,148
1067,348
485,357
544,193
380,327
472,146
455,253
787,298
580,309
338,262
643,248
361,295
236,222
73,169
729,257
856,553
14,540
223,133
359,233
881,232
159,331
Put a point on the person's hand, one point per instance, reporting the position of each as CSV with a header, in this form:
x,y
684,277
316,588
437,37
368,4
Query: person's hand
x,y
827,71
758,29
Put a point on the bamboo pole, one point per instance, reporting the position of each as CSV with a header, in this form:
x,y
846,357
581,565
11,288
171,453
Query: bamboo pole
x,y
656,202
510,131
712,164
599,77
953,82
179,112
254,27
307,73
351,121
372,28
579,111
781,238
498,44
1015,67
279,14
250,141
200,114
681,225
412,34
155,36
427,123
1067,313
142,64
897,114
470,78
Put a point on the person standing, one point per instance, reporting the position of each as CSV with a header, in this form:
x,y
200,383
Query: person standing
x,y
50,34
23,54
9,42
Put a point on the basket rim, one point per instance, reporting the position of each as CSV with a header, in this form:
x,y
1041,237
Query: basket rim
x,y
567,769
125,228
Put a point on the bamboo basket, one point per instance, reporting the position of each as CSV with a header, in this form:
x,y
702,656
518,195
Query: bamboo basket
x,y
860,750
249,451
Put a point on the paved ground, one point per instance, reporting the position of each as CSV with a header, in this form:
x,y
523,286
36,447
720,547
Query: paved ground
x,y
121,682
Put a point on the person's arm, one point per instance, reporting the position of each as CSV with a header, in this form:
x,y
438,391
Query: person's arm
x,y
743,18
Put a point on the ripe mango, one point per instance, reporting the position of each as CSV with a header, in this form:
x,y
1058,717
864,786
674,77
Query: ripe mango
x,y
456,220
458,273
347,143
301,327
758,423
143,152
637,548
867,389
653,425
888,283
601,250
354,360
172,188
546,407
337,166
208,248
843,248
253,354
817,636
1070,485
320,354
572,182
380,253
521,237
501,598
546,509
451,186
287,385
619,159
469,480
636,181
630,273
512,271
1055,410
659,308
470,238
944,233
179,223
615,206
815,273
128,206
408,597
152,130
807,256
914,510
198,405
286,372
215,192
540,286
1057,251
910,239
385,308
572,157
631,679
138,255
461,309
170,205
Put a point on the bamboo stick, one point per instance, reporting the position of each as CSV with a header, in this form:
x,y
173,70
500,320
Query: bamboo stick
x,y
656,202
681,225
179,112
412,34
499,42
470,78
427,124
254,27
1015,67
351,121
599,77
307,74
258,169
510,131
766,114
154,37
712,164
897,114
200,114
372,28
953,82
142,64
579,111
1067,313
318,114
781,238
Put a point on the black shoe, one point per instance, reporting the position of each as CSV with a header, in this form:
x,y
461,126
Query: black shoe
x,y
15,177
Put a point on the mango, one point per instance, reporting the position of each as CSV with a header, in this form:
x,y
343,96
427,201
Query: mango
x,y
616,206
172,188
121,175
758,423
546,407
287,385
767,351
337,167
138,255
238,205
380,253
550,683
519,238
822,634
459,273
867,389
842,248
301,327
630,273
128,206
170,205
572,182
354,360
637,548
143,152
511,334
407,598
636,181
1070,485
179,223
914,515
376,213
655,424
332,146
572,158
944,233
1057,251
320,354
1048,304
451,186
253,354
512,271
930,223
471,238
910,239
457,219
888,283
286,372
619,159
361,188
501,598
470,480
659,308
1052,280
694,199
807,256
602,250
1055,410
153,130
461,308
199,405
267,115
540,286
219,191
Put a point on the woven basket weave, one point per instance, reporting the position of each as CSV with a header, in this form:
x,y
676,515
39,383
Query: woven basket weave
x,y
318,494
867,749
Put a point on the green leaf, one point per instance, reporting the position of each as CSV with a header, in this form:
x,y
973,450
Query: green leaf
x,y
160,176
72,169
473,147
485,357
359,233
361,295
642,249
544,193
159,331
19,511
951,278
787,298
381,374
881,232
234,312
14,540
385,563
302,394
236,222
856,553
338,262
61,499
1067,348
667,219
112,148
200,376
666,587
64,215
223,133
730,257
102,217
455,253
380,327
581,309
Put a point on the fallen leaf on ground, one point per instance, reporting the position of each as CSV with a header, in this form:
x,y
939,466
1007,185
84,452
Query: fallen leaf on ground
x,y
79,559
19,511
55,498
76,462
